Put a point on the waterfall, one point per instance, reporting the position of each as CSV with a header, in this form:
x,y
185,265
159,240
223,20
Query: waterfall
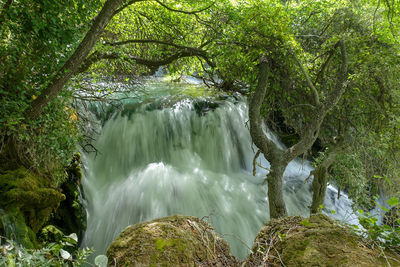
x,y
188,156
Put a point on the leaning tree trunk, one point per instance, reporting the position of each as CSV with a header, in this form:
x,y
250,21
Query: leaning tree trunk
x,y
74,62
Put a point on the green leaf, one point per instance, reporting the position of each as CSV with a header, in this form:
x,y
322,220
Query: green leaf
x,y
393,201
388,181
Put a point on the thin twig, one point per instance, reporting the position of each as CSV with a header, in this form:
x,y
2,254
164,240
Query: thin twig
x,y
255,161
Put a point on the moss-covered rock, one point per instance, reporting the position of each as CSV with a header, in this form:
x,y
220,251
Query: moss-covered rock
x,y
170,241
13,226
315,241
70,216
26,198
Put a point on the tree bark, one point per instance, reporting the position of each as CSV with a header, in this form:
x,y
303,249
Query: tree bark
x,y
320,181
319,185
270,150
152,64
73,63
279,159
277,207
312,129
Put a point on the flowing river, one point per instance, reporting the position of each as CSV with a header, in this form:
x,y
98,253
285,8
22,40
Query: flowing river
x,y
188,156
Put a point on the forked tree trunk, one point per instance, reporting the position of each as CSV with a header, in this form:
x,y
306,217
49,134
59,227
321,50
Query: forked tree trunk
x,y
278,158
270,150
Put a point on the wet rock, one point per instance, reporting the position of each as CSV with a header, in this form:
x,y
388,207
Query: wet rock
x,y
315,241
70,217
26,202
170,241
202,106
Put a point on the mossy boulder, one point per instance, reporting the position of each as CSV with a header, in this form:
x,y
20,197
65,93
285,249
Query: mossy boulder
x,y
13,226
26,198
70,216
315,241
170,241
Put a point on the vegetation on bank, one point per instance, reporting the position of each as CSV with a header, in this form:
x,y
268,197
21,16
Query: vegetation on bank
x,y
316,241
323,74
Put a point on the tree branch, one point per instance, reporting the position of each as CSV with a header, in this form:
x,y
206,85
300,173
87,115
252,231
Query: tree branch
x,y
126,5
150,63
255,162
75,60
267,147
149,41
110,8
311,131
310,83
324,66
341,83
183,11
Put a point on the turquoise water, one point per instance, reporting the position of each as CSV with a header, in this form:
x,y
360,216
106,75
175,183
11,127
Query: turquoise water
x,y
171,151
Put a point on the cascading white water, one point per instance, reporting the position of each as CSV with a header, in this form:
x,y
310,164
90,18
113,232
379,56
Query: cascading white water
x,y
182,160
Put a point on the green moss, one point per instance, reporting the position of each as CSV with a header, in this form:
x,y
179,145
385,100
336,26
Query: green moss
x,y
74,168
170,241
161,244
316,241
27,201
70,216
13,226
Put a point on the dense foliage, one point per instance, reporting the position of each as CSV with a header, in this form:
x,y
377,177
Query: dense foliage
x,y
54,254
222,43
36,38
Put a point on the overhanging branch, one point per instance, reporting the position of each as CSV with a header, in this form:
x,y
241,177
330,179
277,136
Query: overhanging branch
x,y
149,41
152,64
126,5
183,11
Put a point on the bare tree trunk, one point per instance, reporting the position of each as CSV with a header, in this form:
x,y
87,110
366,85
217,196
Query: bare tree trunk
x,y
277,208
73,63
